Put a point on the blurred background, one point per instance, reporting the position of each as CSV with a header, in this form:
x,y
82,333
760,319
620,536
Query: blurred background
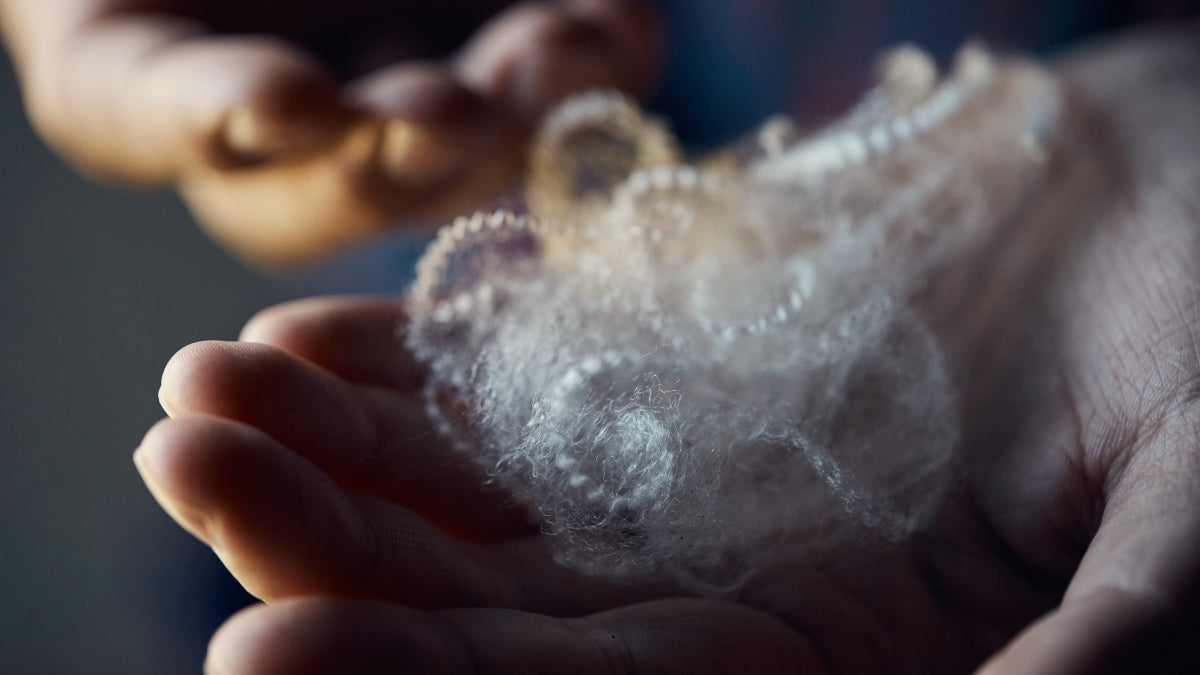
x,y
100,286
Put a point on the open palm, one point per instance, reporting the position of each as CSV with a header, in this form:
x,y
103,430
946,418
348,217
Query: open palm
x,y
300,455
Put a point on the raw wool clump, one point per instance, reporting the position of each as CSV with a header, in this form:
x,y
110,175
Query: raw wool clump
x,y
692,369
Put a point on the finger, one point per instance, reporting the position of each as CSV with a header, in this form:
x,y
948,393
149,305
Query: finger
x,y
1138,582
356,339
433,126
305,208
284,529
367,439
434,138
671,636
535,54
143,96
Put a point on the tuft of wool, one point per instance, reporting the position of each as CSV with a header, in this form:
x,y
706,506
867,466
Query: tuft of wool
x,y
692,368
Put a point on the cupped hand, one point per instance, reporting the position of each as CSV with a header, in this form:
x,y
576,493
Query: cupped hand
x,y
296,128
1071,545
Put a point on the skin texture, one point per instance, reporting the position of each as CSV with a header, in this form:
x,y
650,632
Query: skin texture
x,y
1072,544
288,144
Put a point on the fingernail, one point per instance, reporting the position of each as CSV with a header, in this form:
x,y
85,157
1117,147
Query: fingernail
x,y
396,148
252,135
414,155
243,132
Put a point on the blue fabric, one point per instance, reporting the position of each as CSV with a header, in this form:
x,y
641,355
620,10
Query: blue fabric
x,y
731,64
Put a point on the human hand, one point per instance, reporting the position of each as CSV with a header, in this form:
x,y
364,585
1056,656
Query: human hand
x,y
1076,528
296,128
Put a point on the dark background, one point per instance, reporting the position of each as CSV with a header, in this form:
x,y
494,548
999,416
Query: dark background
x,y
98,288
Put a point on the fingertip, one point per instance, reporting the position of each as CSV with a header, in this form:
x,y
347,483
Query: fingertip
x,y
295,635
174,460
270,639
277,522
174,380
327,635
195,458
250,642
263,386
189,373
146,455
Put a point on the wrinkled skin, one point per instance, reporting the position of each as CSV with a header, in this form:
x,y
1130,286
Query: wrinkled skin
x,y
1071,545
294,129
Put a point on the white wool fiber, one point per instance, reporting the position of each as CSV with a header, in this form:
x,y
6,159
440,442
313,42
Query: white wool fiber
x,y
688,369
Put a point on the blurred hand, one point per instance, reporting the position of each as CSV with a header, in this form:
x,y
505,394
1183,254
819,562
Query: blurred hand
x,y
301,457
295,128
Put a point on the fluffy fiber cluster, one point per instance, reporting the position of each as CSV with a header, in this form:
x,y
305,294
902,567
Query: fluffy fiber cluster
x,y
691,369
